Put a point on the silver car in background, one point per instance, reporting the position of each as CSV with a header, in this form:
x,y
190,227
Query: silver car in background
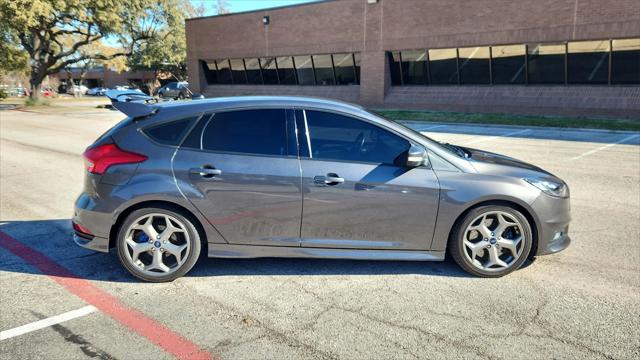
x,y
251,177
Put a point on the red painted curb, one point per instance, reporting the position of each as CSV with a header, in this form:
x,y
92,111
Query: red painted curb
x,y
108,304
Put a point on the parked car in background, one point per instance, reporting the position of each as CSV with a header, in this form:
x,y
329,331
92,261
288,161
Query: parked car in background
x,y
97,91
79,89
47,92
250,177
175,90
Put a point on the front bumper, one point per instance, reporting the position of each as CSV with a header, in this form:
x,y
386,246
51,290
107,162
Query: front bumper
x,y
554,215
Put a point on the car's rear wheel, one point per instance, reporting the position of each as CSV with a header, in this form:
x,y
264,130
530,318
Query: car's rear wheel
x,y
158,244
491,241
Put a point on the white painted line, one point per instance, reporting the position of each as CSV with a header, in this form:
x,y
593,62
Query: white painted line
x,y
41,324
432,127
604,147
498,136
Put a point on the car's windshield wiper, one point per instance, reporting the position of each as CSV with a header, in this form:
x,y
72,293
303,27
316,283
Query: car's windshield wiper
x,y
457,149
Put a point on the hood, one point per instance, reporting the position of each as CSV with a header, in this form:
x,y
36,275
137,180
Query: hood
x,y
491,163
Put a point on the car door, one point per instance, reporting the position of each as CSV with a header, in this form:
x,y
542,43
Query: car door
x,y
240,169
357,191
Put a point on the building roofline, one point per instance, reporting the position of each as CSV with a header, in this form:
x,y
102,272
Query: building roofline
x,y
314,2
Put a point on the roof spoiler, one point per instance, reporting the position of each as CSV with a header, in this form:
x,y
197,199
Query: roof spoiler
x,y
132,103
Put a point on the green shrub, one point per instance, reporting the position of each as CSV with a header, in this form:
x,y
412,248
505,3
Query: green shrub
x,y
34,102
3,94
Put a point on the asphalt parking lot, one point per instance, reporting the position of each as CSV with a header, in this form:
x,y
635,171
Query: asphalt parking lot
x,y
581,303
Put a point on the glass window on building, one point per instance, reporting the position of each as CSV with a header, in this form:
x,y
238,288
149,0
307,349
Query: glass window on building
x,y
224,72
414,67
304,70
356,59
474,65
324,69
210,72
269,71
254,76
286,72
588,62
345,72
508,64
546,63
394,67
625,61
237,71
443,66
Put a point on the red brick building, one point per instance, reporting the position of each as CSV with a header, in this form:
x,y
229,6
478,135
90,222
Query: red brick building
x,y
571,57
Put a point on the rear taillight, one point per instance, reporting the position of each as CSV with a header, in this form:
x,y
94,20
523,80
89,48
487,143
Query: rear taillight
x,y
98,159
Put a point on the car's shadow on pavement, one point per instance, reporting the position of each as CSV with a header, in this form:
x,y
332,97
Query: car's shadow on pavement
x,y
53,238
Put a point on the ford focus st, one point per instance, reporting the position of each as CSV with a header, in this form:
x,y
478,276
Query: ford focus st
x,y
251,177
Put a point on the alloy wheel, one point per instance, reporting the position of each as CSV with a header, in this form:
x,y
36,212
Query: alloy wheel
x,y
157,244
494,241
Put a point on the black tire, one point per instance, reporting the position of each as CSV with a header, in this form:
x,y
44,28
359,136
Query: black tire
x,y
181,96
193,253
456,247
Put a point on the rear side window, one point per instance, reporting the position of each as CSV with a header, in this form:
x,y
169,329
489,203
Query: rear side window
x,y
259,132
169,133
343,138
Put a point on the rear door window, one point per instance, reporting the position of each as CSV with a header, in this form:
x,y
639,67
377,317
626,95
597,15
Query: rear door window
x,y
256,132
170,133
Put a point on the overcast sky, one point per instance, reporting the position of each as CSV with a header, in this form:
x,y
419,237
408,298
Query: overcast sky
x,y
247,5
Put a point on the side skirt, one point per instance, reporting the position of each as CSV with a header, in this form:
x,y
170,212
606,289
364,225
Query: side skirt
x,y
256,251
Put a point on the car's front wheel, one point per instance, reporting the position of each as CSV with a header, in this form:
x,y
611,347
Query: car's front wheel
x,y
158,244
491,241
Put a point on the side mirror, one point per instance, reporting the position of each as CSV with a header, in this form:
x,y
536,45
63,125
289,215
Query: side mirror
x,y
416,156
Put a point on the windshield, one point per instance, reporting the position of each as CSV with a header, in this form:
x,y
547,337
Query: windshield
x,y
456,150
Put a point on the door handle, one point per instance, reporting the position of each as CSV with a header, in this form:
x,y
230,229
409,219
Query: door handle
x,y
206,171
330,179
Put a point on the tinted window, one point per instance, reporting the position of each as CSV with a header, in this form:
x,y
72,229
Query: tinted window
x,y
508,64
304,69
443,66
588,62
414,67
269,71
324,69
261,132
169,133
625,61
224,71
394,65
237,71
356,59
345,74
286,72
338,137
474,65
253,71
546,63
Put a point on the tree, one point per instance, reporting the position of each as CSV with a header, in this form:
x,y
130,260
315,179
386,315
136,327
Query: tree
x,y
43,29
12,58
167,52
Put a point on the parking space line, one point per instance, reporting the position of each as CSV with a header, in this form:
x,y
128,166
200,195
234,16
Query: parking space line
x,y
498,136
44,323
604,147
158,334
431,127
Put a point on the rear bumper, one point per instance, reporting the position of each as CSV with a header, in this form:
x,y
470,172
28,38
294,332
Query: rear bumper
x,y
98,223
95,243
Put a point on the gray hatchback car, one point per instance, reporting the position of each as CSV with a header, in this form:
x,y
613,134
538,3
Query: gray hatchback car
x,y
250,177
